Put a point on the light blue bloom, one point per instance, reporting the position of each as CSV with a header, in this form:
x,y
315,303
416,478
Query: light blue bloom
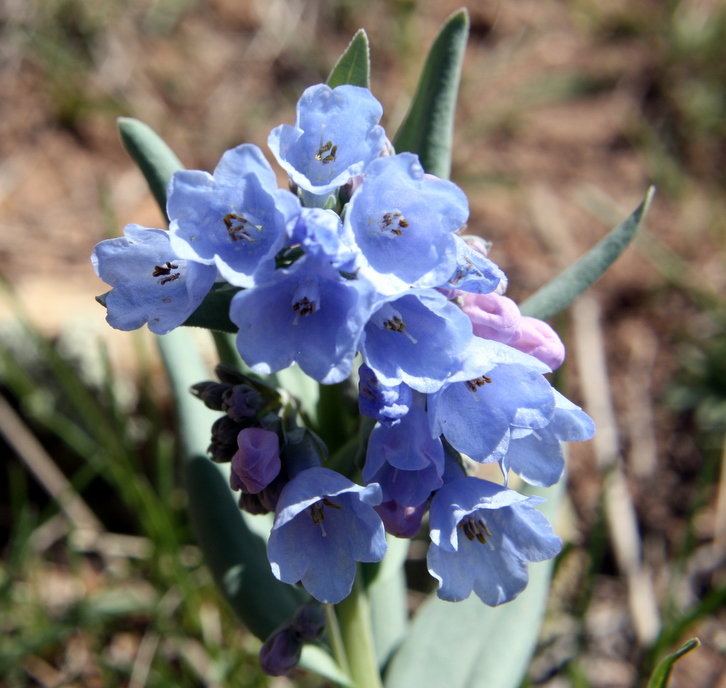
x,y
483,536
498,390
417,338
536,456
386,403
404,223
307,314
323,524
235,219
150,282
336,135
405,460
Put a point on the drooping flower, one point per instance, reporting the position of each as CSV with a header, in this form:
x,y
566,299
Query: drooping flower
x,y
336,135
417,338
235,219
536,456
404,459
307,313
404,223
257,460
151,283
386,403
498,391
483,536
324,523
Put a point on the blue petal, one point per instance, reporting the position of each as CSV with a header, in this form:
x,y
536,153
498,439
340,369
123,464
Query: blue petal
x,y
322,555
151,283
237,223
417,338
306,314
495,568
404,223
336,135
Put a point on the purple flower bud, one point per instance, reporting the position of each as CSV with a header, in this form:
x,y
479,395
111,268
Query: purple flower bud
x,y
401,521
281,652
211,393
269,496
241,401
252,504
257,462
309,621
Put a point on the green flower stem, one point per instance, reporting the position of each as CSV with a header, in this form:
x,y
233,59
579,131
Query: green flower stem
x,y
336,639
226,350
355,626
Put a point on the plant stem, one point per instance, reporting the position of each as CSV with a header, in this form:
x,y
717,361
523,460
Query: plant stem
x,y
336,639
355,625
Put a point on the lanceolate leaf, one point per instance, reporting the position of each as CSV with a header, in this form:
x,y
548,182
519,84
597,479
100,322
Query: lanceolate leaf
x,y
429,125
569,284
354,65
661,675
155,159
469,645
234,554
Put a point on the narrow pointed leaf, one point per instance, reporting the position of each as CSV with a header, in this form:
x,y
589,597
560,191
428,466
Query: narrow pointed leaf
x,y
428,129
354,65
570,283
235,555
155,159
469,645
661,675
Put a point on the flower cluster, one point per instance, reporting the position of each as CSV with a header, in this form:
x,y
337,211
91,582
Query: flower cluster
x,y
363,257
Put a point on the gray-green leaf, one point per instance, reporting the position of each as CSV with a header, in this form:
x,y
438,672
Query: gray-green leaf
x,y
354,65
570,283
428,129
155,159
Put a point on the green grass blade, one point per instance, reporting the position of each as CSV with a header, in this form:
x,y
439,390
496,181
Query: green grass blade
x,y
469,645
234,554
155,159
661,675
570,283
354,65
428,129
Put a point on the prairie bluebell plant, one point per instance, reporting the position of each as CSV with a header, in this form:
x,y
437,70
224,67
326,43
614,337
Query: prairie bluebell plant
x,y
360,272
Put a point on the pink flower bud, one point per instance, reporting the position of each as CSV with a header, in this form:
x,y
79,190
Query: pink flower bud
x,y
538,339
493,317
257,461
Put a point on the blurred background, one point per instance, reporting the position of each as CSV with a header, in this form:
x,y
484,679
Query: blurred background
x,y
568,111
